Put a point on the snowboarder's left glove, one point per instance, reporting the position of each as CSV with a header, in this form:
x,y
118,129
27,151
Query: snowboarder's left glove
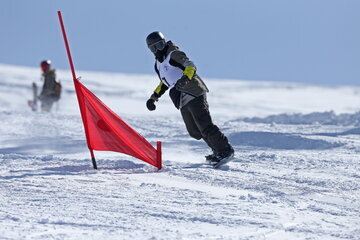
x,y
188,74
181,83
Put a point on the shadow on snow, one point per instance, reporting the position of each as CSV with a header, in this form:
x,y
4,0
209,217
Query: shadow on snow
x,y
354,131
41,145
279,141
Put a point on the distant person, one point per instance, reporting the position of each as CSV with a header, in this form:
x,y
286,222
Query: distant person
x,y
188,93
51,89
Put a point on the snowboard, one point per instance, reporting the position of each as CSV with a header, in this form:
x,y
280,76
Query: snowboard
x,y
223,162
33,103
219,164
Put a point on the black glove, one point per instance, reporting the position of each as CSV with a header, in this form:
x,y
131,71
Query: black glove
x,y
150,104
181,83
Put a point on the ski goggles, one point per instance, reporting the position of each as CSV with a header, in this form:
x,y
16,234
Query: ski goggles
x,y
45,67
160,45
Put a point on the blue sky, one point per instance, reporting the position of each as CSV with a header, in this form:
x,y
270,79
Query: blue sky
x,y
309,41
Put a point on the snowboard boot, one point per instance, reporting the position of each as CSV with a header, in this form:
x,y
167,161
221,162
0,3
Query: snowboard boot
x,y
210,157
223,155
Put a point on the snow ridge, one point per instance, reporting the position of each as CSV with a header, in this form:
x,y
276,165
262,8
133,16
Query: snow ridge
x,y
319,118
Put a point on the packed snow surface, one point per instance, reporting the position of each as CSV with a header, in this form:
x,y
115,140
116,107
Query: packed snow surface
x,y
296,174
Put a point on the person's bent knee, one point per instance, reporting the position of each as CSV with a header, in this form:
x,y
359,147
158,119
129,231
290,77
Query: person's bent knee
x,y
196,136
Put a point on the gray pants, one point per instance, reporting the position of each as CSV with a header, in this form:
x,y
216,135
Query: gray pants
x,y
199,124
46,103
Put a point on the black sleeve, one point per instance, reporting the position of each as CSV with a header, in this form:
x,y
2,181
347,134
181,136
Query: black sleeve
x,y
180,60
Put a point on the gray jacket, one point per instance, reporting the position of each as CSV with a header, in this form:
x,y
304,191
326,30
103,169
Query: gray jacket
x,y
194,88
49,78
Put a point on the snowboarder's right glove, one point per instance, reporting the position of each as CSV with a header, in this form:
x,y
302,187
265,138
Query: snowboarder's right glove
x,y
150,104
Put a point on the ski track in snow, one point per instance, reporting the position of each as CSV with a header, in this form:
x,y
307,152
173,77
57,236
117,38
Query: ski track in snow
x,y
295,176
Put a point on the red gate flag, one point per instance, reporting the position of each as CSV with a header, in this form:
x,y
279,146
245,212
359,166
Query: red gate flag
x,y
104,130
108,132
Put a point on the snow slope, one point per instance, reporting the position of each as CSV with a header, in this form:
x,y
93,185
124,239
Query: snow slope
x,y
296,175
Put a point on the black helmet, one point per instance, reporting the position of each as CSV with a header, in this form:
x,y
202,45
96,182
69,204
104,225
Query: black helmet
x,y
45,65
155,41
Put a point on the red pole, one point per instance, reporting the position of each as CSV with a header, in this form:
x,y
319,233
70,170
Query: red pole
x,y
82,111
93,158
67,45
158,155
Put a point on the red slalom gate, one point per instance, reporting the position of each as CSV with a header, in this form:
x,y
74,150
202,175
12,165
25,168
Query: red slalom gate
x,y
104,130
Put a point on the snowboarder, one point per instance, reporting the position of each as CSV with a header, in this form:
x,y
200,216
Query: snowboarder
x,y
188,93
51,89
